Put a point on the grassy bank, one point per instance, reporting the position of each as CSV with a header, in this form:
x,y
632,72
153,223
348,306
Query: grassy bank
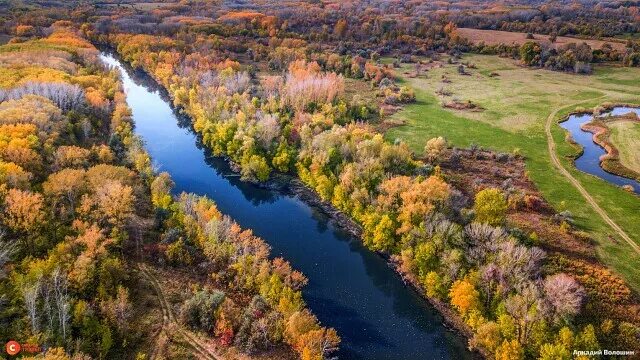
x,y
625,136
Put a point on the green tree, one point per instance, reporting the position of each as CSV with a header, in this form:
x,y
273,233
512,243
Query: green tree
x,y
199,311
379,232
425,258
178,254
586,339
283,159
487,336
255,167
490,207
530,53
554,352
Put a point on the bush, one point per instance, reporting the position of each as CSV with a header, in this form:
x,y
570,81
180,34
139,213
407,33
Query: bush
x,y
178,253
198,312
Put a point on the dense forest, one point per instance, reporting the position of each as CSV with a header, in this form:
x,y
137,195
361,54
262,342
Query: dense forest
x,y
267,85
80,199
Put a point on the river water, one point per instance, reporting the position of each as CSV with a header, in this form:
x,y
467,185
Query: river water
x,y
589,161
350,288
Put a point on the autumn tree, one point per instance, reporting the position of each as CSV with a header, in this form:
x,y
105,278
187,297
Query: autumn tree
x,y
464,296
340,28
66,187
25,30
530,53
115,202
510,350
14,175
94,246
71,157
24,212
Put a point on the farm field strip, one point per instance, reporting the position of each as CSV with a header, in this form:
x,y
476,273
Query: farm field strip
x,y
495,37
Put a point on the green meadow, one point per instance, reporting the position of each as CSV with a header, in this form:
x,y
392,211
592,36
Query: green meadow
x,y
517,102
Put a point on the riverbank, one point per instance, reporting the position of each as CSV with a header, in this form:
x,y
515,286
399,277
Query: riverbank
x,y
601,135
292,185
610,162
451,319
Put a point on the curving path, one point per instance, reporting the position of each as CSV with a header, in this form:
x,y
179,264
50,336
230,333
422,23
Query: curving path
x,y
169,323
556,162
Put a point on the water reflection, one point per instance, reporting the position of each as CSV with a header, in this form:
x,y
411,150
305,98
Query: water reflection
x,y
350,288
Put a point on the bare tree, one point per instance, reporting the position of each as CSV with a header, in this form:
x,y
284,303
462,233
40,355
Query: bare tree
x,y
122,308
46,303
483,240
86,128
30,294
518,264
6,250
564,294
60,287
237,83
65,96
268,129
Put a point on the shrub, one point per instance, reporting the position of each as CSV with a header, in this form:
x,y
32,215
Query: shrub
x,y
198,312
178,253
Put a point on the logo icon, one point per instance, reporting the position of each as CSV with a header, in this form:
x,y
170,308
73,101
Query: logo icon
x,y
13,347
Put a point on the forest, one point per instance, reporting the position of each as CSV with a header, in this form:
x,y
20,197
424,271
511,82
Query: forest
x,y
301,92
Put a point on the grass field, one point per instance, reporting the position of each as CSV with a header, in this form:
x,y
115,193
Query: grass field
x,y
517,103
625,136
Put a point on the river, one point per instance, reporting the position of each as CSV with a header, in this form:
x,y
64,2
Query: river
x,y
350,288
589,161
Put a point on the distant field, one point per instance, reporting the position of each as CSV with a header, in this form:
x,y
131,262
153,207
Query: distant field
x,y
517,99
495,37
143,6
625,136
517,103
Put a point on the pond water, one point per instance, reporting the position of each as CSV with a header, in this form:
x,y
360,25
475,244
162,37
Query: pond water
x,y
589,161
350,288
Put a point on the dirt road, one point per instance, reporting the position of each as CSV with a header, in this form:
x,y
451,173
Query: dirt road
x,y
556,162
170,326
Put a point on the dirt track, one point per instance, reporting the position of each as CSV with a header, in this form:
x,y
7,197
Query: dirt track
x,y
556,162
171,326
